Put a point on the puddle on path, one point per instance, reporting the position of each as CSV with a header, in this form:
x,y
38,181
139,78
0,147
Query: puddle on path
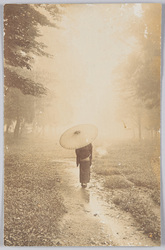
x,y
88,196
117,224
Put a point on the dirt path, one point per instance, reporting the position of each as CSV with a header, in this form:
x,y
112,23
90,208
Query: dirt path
x,y
90,220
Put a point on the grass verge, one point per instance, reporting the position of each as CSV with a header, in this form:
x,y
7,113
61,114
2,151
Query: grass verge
x,y
33,205
132,171
141,211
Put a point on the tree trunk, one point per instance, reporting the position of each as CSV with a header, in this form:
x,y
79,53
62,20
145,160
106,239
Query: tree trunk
x,y
7,128
8,123
139,126
22,125
16,130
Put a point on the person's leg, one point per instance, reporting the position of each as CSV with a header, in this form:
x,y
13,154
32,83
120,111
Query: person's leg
x,y
84,185
84,173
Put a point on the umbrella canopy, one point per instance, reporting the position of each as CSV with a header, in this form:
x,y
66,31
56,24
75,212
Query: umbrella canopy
x,y
78,136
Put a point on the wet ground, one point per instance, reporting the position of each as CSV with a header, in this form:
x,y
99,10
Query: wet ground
x,y
45,204
90,220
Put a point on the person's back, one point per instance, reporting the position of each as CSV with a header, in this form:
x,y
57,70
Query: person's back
x,y
84,158
84,152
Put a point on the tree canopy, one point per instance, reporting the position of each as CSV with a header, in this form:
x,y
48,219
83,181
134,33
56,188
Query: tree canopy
x,y
141,71
21,30
139,79
22,23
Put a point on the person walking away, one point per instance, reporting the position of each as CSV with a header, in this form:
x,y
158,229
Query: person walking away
x,y
84,160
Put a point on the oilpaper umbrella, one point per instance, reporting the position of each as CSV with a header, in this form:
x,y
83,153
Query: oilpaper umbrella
x,y
78,136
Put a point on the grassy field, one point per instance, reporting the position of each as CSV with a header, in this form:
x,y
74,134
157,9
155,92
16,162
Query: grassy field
x,y
131,175
33,205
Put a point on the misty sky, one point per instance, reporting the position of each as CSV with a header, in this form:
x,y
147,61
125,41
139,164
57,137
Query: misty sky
x,y
87,47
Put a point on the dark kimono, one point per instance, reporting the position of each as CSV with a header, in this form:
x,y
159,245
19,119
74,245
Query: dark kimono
x,y
84,159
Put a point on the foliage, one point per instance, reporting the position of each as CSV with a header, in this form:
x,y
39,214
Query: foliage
x,y
22,24
140,75
21,29
18,108
26,85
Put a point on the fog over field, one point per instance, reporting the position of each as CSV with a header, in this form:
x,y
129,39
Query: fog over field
x,y
101,70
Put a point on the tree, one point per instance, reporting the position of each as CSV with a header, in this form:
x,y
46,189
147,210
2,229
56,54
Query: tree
x,y
26,85
140,75
19,109
22,24
21,29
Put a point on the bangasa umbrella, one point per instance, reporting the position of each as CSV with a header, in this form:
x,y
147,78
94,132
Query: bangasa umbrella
x,y
78,136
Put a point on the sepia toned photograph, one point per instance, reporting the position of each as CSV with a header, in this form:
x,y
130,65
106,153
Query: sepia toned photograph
x,y
82,95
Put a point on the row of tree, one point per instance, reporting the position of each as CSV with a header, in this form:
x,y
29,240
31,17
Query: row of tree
x,y
140,76
22,23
